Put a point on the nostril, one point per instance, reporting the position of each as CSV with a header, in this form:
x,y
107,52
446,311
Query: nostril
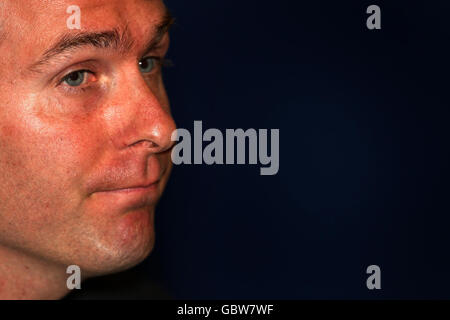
x,y
145,143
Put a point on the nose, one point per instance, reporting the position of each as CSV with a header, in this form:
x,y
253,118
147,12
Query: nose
x,y
139,117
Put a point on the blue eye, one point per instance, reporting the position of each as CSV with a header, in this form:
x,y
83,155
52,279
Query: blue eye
x,y
76,78
146,65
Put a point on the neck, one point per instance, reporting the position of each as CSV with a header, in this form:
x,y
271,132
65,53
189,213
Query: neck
x,y
28,278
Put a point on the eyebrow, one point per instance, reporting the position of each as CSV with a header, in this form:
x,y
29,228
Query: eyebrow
x,y
116,39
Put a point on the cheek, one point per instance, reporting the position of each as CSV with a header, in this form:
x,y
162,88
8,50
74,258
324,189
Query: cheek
x,y
41,166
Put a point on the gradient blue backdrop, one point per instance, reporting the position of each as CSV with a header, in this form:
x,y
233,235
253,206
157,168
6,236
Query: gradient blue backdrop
x,y
364,159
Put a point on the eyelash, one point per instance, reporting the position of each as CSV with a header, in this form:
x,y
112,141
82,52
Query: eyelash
x,y
161,62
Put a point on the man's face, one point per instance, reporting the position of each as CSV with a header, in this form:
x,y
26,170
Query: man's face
x,y
84,130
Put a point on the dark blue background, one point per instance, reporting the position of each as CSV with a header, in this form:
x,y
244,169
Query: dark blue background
x,y
364,159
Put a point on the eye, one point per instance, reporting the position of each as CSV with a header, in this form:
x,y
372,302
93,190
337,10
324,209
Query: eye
x,y
75,78
146,65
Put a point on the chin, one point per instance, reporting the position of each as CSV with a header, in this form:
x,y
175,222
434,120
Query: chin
x,y
126,245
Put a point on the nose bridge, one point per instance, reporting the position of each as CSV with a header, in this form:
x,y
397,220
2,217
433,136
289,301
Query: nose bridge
x,y
138,117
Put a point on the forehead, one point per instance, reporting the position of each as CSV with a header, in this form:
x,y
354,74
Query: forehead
x,y
32,25
51,12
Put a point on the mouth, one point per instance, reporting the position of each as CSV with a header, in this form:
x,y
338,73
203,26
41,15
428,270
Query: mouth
x,y
137,188
130,186
136,196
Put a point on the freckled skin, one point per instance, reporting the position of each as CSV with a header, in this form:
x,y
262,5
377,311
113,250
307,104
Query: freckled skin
x,y
58,150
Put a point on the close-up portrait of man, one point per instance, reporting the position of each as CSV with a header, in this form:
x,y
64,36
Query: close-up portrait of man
x,y
85,139
303,154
